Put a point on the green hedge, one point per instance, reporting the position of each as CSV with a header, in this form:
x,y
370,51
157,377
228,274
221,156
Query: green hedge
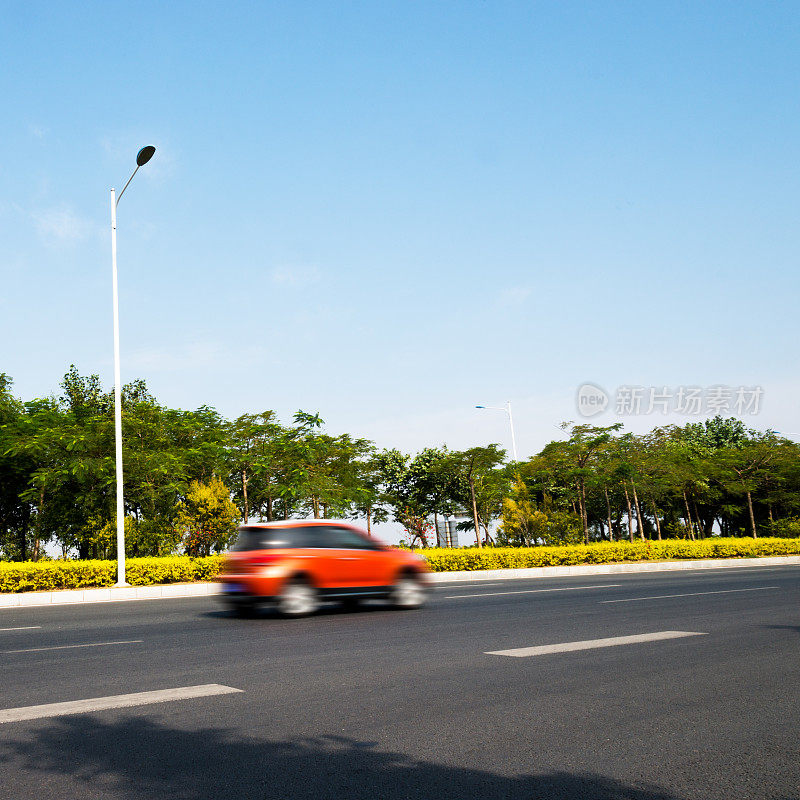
x,y
49,575
28,576
447,560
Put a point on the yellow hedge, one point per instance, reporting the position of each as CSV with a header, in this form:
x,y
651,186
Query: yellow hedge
x,y
448,560
28,576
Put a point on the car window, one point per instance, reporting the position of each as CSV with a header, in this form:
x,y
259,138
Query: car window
x,y
310,536
330,536
304,536
265,538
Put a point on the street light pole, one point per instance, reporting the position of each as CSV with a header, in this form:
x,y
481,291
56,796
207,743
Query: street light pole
x,y
507,409
142,157
117,402
511,423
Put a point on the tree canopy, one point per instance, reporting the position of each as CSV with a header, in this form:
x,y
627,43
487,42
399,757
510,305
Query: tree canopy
x,y
57,479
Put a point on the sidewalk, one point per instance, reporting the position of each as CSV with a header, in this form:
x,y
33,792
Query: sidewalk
x,y
176,590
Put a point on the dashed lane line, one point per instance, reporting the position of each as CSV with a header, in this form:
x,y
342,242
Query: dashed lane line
x,y
459,584
591,644
71,646
22,628
531,591
113,701
690,594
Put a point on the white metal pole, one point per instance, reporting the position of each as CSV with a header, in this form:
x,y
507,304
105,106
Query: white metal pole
x,y
117,403
511,422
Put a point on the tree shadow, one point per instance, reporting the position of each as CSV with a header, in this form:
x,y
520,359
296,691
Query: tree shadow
x,y
137,758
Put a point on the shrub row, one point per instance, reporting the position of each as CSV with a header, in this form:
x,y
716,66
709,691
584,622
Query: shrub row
x,y
446,560
28,576
52,575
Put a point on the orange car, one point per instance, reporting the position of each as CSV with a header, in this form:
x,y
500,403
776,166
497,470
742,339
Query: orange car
x,y
298,564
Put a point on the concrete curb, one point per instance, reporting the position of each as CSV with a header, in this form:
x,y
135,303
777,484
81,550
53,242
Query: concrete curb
x,y
110,594
175,590
612,569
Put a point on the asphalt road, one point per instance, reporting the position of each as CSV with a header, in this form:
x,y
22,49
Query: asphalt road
x,y
379,704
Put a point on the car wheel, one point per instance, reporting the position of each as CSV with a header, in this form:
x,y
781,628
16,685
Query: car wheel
x,y
297,599
408,592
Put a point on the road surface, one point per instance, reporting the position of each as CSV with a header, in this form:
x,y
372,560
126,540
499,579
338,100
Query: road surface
x,y
644,686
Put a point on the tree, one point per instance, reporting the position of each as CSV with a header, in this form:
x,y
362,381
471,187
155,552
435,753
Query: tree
x,y
323,471
574,461
57,477
406,492
253,457
523,523
207,518
368,495
748,460
474,470
16,468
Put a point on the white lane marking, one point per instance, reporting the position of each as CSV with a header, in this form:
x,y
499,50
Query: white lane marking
x,y
590,644
71,646
458,585
690,572
24,628
114,701
690,594
532,591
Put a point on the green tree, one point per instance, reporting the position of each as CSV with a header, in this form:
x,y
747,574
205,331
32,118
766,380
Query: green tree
x,y
254,455
523,523
474,472
368,492
573,464
207,518
16,469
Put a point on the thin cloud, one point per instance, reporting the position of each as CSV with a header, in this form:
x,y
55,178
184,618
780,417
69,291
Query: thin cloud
x,y
293,276
195,356
514,296
62,226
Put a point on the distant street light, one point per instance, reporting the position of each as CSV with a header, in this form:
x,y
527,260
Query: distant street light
x,y
507,409
142,157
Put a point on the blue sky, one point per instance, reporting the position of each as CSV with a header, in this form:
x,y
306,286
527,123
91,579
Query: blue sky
x,y
389,212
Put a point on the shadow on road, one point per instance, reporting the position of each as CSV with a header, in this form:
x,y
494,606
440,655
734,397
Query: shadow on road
x,y
137,758
795,628
265,611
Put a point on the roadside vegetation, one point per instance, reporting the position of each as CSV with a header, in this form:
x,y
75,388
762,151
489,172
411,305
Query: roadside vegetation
x,y
30,576
192,476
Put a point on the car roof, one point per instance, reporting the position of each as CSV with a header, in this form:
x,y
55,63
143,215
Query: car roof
x,y
298,523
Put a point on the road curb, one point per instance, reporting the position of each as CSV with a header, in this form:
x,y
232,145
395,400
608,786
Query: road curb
x,y
111,594
611,569
168,591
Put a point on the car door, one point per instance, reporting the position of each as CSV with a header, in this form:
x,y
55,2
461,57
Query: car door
x,y
318,556
332,556
363,562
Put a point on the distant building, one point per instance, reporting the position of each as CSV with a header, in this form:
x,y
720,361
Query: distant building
x,y
446,533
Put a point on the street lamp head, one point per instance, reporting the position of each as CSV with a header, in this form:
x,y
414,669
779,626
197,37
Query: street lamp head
x,y
144,155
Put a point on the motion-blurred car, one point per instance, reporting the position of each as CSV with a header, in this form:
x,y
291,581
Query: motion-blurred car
x,y
296,565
